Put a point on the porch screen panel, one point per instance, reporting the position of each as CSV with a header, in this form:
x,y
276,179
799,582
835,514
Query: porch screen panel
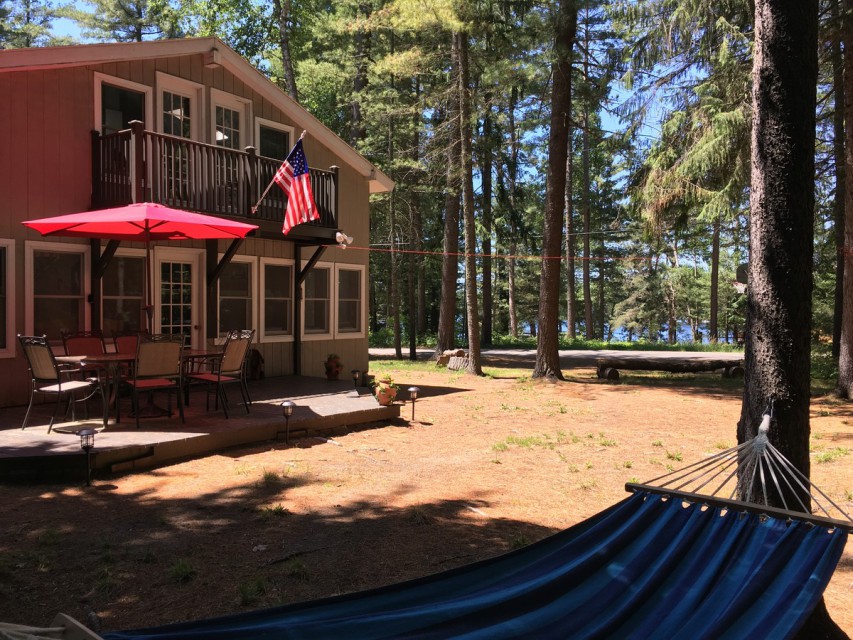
x,y
176,299
317,301
349,301
235,297
123,295
4,294
278,300
58,295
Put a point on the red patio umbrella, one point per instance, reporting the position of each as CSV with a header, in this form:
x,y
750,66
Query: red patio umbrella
x,y
141,222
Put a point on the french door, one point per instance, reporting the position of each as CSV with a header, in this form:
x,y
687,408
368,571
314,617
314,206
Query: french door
x,y
179,301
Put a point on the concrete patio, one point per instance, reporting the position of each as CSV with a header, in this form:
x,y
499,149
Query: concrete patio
x,y
323,407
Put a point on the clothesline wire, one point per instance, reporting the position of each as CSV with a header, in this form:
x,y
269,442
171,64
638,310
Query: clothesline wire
x,y
493,256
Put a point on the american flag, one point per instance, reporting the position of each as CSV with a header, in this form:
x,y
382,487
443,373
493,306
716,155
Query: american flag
x,y
293,177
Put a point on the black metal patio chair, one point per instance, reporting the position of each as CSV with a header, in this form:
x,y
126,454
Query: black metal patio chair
x,y
229,368
51,378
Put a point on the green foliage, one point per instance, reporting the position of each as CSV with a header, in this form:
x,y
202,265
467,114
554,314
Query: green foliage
x,y
181,572
28,23
126,20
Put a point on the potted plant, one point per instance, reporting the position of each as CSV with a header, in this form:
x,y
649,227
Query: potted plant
x,y
385,390
333,366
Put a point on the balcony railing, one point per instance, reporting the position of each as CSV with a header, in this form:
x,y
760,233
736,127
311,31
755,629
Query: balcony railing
x,y
136,165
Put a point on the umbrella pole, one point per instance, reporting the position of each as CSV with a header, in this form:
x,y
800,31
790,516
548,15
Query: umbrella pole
x,y
149,289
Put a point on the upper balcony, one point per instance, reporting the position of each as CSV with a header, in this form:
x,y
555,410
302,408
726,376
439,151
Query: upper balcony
x,y
137,165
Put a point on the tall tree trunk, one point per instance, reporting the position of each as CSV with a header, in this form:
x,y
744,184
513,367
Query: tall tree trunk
x,y
283,11
446,335
511,295
845,357
394,294
471,302
571,312
486,173
547,345
715,279
777,358
513,216
361,41
418,228
838,147
587,226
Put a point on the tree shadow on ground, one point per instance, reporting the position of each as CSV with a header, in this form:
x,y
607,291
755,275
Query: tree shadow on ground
x,y
143,558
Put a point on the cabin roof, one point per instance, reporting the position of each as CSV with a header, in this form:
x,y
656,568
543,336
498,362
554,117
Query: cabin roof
x,y
216,52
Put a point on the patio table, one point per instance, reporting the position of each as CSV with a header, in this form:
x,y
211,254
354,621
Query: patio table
x,y
110,363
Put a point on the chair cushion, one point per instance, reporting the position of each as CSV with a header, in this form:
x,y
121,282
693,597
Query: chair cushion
x,y
210,377
70,385
153,383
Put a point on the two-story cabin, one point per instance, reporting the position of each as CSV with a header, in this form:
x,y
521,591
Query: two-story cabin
x,y
190,124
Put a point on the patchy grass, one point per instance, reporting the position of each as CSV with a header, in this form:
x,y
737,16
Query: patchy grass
x,y
831,455
252,591
181,572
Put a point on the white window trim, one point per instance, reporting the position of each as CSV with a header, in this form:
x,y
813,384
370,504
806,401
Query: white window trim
x,y
272,124
220,98
192,90
102,78
362,269
309,337
10,350
253,298
262,336
30,247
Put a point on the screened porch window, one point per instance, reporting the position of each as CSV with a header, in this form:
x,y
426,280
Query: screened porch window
x,y
349,300
235,297
58,293
278,300
123,294
317,300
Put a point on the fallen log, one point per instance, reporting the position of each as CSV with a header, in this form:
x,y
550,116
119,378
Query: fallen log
x,y
608,368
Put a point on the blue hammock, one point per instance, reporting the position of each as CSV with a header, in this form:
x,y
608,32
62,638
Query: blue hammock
x,y
651,566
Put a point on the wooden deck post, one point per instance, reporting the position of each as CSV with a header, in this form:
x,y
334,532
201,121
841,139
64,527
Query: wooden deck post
x,y
137,167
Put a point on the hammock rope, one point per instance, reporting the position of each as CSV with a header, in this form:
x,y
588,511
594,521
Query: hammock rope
x,y
743,464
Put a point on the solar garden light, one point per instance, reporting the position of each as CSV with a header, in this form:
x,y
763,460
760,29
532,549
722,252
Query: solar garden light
x,y
87,443
287,408
413,394
356,374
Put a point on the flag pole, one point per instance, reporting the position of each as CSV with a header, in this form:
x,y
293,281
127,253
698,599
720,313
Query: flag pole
x,y
264,194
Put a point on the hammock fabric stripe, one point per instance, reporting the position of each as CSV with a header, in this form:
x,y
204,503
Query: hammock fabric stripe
x,y
648,567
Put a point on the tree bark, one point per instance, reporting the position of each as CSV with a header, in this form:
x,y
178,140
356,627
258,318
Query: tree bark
x,y
587,257
513,226
283,10
547,344
845,355
571,312
446,338
471,302
361,41
838,147
713,329
486,173
777,354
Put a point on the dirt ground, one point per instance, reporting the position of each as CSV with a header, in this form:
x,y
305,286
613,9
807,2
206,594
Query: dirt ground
x,y
488,464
